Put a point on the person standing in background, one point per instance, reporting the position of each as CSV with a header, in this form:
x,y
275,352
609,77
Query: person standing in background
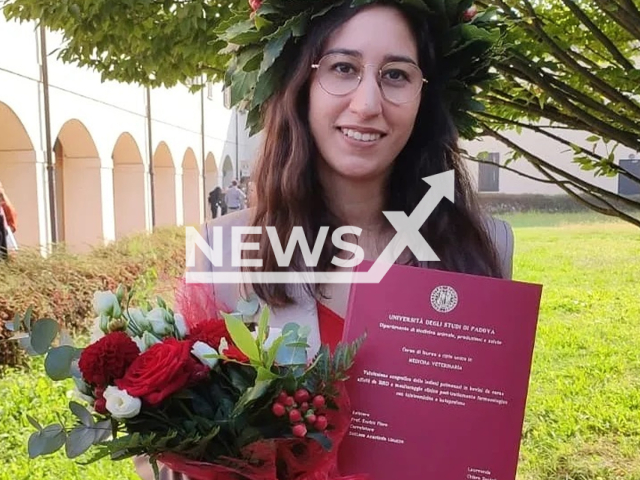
x,y
8,224
235,197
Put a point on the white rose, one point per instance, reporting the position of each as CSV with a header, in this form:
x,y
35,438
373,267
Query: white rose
x,y
159,325
181,325
120,404
106,303
146,341
202,352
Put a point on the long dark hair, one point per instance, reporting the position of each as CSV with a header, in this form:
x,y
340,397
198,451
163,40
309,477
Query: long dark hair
x,y
290,192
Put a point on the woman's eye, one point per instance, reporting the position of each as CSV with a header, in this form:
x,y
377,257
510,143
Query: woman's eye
x,y
344,68
396,75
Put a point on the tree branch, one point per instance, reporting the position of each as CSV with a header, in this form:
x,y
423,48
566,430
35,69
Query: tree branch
x,y
625,19
578,182
532,75
604,40
623,137
618,169
598,84
550,113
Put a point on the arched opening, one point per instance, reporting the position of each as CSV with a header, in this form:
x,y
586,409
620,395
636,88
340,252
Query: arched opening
x,y
128,186
164,186
19,175
210,178
191,189
78,187
227,172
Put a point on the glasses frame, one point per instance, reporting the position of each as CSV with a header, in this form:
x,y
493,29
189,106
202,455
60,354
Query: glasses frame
x,y
316,67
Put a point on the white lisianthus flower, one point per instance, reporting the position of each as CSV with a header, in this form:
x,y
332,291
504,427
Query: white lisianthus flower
x,y
202,352
106,303
159,324
96,330
146,341
272,334
137,321
181,325
120,404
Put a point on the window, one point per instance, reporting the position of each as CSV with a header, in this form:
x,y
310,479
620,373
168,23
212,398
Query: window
x,y
489,175
209,90
626,185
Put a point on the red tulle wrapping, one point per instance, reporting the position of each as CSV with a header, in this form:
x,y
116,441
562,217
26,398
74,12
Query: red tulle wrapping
x,y
197,303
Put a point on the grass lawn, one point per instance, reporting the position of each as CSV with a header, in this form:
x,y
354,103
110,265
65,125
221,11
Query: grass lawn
x,y
583,411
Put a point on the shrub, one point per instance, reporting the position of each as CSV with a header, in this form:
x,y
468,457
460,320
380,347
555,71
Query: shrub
x,y
61,286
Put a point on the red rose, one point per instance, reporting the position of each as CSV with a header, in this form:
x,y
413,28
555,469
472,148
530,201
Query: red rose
x,y
161,371
210,332
255,4
107,359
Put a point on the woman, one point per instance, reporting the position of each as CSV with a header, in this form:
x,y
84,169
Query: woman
x,y
358,123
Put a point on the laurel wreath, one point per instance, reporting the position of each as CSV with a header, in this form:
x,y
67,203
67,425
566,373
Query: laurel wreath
x,y
254,42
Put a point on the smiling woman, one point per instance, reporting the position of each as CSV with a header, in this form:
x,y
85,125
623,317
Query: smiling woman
x,y
359,102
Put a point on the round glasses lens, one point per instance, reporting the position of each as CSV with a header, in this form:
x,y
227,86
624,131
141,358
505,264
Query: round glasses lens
x,y
339,74
400,81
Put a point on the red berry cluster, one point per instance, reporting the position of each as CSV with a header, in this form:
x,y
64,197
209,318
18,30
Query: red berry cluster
x,y
302,411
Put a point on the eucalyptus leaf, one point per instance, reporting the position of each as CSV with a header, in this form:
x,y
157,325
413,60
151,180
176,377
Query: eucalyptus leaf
x,y
43,334
80,439
82,413
58,362
296,354
26,320
248,306
34,422
46,441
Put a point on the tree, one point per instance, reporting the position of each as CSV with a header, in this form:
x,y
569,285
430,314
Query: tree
x,y
566,66
563,65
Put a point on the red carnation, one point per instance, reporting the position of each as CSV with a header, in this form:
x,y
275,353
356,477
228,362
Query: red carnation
x,y
162,370
107,359
234,353
210,332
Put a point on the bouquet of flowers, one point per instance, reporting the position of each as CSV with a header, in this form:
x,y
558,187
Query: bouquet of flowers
x,y
213,395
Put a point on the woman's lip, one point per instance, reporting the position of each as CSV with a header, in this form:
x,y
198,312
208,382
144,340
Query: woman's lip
x,y
361,129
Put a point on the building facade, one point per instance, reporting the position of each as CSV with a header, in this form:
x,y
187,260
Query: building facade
x,y
86,162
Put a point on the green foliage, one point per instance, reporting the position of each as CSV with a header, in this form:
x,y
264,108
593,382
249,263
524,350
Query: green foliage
x,y
572,65
62,285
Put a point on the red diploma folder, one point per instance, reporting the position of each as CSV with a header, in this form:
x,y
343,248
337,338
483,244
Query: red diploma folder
x,y
440,384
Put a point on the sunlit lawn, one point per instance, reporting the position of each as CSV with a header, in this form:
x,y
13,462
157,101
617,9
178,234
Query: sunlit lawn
x,y
583,413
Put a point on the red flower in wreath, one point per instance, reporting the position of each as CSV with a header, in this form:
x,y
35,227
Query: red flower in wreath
x,y
107,359
255,4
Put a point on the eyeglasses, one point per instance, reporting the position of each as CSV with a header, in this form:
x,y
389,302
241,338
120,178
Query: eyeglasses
x,y
340,74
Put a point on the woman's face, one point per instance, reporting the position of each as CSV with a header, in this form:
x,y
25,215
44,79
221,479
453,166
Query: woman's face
x,y
359,134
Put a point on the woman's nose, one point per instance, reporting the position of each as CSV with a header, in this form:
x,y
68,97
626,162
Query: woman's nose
x,y
366,100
